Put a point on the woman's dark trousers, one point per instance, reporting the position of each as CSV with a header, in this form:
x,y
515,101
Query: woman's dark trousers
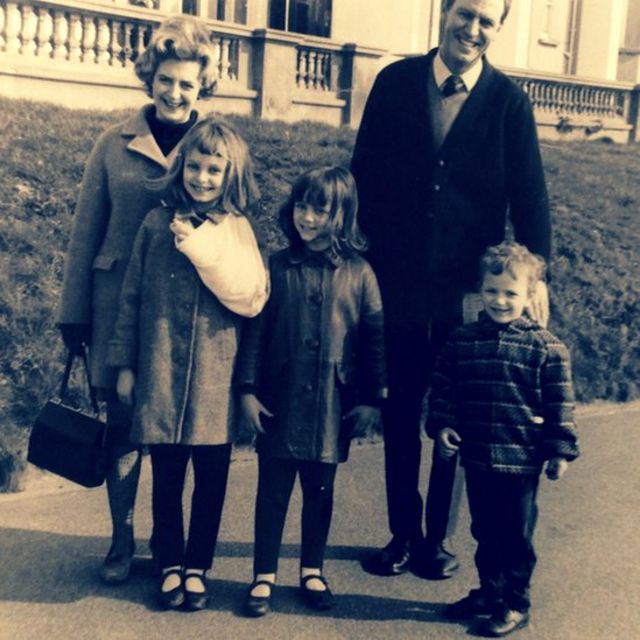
x,y
210,472
276,477
503,518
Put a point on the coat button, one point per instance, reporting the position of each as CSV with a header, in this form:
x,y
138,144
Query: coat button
x,y
308,387
436,187
441,162
311,343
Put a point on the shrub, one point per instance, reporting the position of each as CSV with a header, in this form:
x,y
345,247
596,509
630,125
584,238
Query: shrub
x,y
595,286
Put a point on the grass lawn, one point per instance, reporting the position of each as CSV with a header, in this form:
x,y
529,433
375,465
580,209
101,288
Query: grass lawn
x,y
595,196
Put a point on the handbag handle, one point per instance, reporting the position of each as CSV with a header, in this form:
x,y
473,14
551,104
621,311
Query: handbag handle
x,y
67,374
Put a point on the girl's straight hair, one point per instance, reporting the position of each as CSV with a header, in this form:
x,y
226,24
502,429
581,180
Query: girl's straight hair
x,y
216,137
331,186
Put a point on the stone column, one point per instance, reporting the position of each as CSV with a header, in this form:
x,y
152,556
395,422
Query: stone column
x,y
601,32
360,65
274,72
629,55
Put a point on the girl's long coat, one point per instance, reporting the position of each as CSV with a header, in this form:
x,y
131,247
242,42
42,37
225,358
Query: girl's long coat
x,y
180,341
112,203
315,351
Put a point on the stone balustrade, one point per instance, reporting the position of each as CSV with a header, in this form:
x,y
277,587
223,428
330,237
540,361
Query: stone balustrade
x,y
578,107
81,54
313,69
108,36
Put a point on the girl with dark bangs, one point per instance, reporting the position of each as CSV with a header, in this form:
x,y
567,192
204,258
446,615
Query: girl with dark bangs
x,y
311,373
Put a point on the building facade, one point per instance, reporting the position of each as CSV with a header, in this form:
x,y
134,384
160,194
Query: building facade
x,y
579,60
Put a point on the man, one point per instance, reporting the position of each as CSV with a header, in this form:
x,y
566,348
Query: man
x,y
446,148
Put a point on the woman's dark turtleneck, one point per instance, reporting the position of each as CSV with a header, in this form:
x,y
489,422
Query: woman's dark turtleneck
x,y
167,134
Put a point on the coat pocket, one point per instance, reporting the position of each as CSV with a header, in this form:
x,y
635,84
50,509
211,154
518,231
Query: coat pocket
x,y
104,263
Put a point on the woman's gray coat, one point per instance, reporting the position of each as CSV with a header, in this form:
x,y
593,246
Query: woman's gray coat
x,y
180,341
112,203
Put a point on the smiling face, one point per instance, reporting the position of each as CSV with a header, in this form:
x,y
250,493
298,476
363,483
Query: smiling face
x,y
470,27
313,223
505,296
203,176
175,89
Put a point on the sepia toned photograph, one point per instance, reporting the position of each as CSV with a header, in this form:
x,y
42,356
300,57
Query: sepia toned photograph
x,y
319,319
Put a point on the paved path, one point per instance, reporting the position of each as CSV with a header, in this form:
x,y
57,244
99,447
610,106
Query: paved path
x,y
586,585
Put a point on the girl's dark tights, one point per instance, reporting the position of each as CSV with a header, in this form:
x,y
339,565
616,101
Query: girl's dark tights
x,y
276,477
210,472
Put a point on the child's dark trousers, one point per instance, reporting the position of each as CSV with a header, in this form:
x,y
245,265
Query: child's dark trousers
x,y
503,518
210,472
276,477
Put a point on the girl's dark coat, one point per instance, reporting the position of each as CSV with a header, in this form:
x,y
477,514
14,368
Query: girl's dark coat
x,y
309,383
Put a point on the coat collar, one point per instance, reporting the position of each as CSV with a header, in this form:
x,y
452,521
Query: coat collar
x,y
299,254
520,325
142,140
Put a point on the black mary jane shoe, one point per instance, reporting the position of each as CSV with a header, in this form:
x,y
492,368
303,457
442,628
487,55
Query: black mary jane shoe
x,y
174,598
257,606
196,600
318,600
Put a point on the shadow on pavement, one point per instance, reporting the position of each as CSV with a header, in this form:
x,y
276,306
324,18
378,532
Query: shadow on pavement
x,y
45,567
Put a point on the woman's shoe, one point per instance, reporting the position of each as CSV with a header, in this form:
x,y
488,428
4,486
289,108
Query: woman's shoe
x,y
318,600
196,600
117,565
174,598
257,606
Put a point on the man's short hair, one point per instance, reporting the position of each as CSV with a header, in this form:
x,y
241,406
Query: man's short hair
x,y
447,4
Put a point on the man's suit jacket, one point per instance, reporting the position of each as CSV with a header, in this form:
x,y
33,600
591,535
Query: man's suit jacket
x,y
429,213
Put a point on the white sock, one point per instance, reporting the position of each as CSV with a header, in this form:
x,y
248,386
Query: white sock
x,y
312,585
172,581
195,585
262,590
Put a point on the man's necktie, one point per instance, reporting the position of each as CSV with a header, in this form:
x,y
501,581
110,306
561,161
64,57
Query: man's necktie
x,y
453,84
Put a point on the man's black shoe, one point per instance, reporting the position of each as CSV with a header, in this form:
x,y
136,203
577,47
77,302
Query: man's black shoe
x,y
472,605
503,623
436,563
392,560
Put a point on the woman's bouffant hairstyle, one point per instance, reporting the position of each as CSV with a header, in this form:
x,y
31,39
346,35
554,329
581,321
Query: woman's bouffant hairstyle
x,y
512,257
213,136
333,187
179,38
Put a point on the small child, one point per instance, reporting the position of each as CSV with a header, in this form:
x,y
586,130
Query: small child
x,y
175,344
311,371
502,394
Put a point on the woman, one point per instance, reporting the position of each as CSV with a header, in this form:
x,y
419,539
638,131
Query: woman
x,y
177,68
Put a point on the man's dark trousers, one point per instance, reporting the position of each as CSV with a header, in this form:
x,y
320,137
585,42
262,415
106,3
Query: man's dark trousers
x,y
411,351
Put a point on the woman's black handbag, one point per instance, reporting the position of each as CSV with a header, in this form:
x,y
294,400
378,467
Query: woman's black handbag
x,y
70,442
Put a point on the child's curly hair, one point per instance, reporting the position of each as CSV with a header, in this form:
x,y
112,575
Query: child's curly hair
x,y
512,257
179,38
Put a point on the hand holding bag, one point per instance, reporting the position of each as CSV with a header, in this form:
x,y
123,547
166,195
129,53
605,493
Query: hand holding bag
x,y
68,441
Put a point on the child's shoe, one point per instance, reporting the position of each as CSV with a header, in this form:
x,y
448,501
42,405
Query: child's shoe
x,y
196,597
477,603
320,600
171,597
257,606
503,623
